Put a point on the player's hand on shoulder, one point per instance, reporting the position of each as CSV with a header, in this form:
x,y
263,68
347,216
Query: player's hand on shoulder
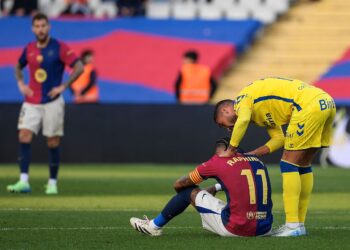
x,y
230,151
26,90
56,91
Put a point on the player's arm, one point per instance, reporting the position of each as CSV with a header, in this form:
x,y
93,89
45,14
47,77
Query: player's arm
x,y
186,181
183,183
22,62
239,130
78,69
276,142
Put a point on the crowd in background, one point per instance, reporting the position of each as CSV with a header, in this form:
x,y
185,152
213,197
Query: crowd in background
x,y
75,8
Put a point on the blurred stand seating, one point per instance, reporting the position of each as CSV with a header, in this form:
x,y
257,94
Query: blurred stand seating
x,y
18,7
77,8
266,11
127,8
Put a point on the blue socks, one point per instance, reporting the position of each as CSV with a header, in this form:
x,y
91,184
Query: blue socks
x,y
54,161
25,156
175,206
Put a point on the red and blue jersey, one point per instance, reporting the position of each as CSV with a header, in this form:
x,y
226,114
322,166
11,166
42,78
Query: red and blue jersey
x,y
46,67
246,182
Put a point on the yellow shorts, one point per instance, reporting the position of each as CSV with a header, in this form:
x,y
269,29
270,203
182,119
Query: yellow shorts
x,y
312,126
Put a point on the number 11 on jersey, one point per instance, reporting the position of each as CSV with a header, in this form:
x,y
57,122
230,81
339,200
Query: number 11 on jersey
x,y
252,189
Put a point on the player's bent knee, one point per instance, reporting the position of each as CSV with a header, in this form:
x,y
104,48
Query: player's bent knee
x,y
25,136
194,194
53,142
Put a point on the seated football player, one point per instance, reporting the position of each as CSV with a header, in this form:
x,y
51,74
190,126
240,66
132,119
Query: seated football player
x,y
245,181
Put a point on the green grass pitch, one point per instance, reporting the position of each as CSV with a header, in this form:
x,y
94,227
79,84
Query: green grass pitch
x,y
95,203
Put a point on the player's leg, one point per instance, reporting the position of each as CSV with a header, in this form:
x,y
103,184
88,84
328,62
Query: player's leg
x,y
303,137
291,185
53,144
29,122
174,207
53,122
210,208
303,160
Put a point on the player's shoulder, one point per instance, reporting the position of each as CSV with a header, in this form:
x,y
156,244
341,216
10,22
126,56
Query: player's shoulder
x,y
243,157
30,45
56,42
213,161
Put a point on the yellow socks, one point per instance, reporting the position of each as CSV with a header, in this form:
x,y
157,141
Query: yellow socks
x,y
291,191
297,189
307,181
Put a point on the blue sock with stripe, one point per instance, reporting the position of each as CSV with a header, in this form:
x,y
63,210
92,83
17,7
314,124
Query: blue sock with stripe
x,y
175,206
25,155
54,162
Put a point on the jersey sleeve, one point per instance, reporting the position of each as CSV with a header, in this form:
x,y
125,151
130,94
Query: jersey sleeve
x,y
203,172
67,55
243,109
277,138
23,58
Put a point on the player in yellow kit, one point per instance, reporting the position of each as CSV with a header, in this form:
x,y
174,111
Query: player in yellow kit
x,y
309,113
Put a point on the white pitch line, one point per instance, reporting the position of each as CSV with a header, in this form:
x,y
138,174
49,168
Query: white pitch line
x,y
126,228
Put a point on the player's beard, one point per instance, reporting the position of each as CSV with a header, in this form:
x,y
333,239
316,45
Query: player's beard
x,y
42,38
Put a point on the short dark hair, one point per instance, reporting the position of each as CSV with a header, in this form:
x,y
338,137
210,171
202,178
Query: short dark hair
x,y
219,105
86,53
192,54
39,16
223,141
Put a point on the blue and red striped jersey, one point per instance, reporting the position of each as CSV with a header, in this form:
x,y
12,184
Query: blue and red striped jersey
x,y
46,67
246,182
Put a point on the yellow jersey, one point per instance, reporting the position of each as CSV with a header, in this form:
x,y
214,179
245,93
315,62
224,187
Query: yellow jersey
x,y
270,103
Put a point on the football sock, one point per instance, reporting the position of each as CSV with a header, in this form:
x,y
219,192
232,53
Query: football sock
x,y
175,206
24,177
291,191
52,182
25,155
293,225
307,181
54,161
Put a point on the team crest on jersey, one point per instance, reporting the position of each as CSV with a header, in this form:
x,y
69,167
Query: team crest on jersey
x,y
39,58
40,75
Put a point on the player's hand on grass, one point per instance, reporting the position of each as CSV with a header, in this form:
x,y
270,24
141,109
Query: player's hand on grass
x,y
25,90
56,91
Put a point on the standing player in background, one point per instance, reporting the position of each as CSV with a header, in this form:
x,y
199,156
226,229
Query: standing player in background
x,y
309,113
43,106
245,181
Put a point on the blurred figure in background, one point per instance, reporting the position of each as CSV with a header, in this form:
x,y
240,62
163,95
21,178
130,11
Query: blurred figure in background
x,y
131,7
77,8
195,84
85,88
21,8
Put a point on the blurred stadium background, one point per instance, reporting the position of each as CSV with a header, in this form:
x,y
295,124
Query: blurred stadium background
x,y
138,48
